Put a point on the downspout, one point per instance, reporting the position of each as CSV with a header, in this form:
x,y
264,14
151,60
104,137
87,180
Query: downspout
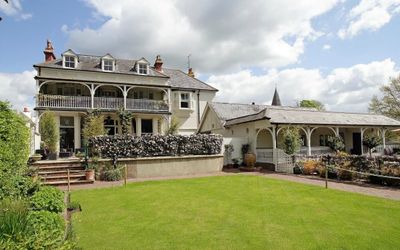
x,y
198,108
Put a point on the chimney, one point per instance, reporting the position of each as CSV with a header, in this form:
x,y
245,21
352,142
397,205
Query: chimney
x,y
26,109
253,103
158,63
49,52
190,72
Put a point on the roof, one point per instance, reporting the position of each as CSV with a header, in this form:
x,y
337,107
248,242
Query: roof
x,y
232,114
276,101
177,78
181,80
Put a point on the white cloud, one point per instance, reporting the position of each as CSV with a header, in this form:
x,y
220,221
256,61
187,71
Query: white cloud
x,y
326,47
343,89
14,8
18,88
220,35
369,15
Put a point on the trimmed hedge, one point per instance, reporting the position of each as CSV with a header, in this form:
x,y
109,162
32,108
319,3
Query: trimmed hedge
x,y
127,146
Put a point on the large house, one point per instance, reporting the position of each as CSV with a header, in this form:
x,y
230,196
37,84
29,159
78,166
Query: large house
x,y
75,83
261,126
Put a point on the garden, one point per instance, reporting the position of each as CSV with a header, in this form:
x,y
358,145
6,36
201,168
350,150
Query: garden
x,y
233,212
30,213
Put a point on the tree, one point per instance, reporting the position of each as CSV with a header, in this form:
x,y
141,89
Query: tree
x,y
290,140
125,117
371,141
93,125
173,126
336,143
312,104
389,103
48,131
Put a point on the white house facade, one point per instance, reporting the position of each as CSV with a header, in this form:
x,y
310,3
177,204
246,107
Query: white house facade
x,y
76,83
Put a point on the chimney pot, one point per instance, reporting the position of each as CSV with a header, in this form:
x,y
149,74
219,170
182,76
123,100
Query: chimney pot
x,y
26,109
190,72
158,63
49,52
253,103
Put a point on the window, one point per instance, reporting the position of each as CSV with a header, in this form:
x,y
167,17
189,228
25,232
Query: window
x,y
185,101
111,126
108,65
69,61
142,69
147,126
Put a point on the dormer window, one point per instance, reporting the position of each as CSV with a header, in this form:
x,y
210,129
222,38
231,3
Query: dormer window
x,y
69,61
108,65
142,69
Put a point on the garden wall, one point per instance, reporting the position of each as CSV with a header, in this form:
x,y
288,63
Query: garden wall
x,y
164,166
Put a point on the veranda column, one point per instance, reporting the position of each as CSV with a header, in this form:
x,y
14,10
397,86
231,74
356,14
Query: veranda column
x,y
362,138
92,95
274,151
125,94
77,131
169,101
155,126
383,138
138,126
308,135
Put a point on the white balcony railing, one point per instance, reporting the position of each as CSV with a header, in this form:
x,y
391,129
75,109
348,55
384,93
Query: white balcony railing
x,y
110,103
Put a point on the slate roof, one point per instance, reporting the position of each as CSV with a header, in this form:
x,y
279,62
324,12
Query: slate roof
x,y
231,114
177,78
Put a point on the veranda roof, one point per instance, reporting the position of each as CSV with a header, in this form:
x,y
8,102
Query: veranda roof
x,y
232,114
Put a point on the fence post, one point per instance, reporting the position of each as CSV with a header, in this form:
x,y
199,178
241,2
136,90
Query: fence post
x,y
326,176
126,174
68,177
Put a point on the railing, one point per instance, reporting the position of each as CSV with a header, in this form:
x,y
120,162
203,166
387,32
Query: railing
x,y
315,150
144,104
284,162
79,102
59,101
265,155
379,148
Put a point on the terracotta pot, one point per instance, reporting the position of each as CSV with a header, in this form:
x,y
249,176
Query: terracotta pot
x,y
250,159
89,174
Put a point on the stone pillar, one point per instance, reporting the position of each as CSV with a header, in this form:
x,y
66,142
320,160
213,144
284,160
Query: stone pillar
x,y
138,126
155,126
77,131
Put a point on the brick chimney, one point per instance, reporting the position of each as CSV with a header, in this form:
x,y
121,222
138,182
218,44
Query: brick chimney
x,y
49,52
158,63
190,72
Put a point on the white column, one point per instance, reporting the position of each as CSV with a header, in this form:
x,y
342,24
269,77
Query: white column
x,y
138,126
274,151
155,126
383,138
58,129
77,131
308,135
169,100
362,136
125,94
337,131
92,91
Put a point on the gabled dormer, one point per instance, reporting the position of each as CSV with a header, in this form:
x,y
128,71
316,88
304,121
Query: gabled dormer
x,y
108,63
142,66
69,59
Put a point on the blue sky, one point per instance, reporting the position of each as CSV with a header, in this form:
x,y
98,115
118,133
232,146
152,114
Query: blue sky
x,y
339,52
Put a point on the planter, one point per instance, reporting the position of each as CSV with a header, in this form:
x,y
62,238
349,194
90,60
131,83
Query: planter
x,y
89,173
249,169
36,158
53,156
250,159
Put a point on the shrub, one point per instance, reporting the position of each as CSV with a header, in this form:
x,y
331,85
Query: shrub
x,y
370,142
173,126
290,140
48,131
310,167
17,186
48,198
343,174
332,172
112,173
46,220
125,118
14,223
336,143
14,142
123,146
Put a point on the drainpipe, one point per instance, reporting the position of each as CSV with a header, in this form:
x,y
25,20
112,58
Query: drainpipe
x,y
198,107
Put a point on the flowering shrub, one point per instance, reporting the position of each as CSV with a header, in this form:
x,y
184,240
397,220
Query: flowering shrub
x,y
310,167
127,146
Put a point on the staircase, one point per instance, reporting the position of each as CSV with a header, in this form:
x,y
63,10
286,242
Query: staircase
x,y
56,172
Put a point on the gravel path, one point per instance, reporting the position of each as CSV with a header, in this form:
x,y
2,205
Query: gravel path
x,y
372,190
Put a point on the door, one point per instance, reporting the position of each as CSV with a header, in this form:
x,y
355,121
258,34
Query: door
x,y
67,139
356,144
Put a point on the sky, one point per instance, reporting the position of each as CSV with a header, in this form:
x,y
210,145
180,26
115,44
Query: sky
x,y
339,52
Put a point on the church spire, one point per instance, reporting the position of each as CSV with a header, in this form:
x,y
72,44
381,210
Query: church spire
x,y
276,101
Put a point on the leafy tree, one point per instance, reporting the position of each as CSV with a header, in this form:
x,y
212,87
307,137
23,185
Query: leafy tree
x,y
371,141
389,103
93,125
14,140
312,104
48,131
173,126
290,140
336,143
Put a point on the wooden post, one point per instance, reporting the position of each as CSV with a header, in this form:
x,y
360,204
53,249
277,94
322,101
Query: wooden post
x,y
126,174
326,176
69,185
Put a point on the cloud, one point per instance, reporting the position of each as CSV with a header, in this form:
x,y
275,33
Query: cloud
x,y
326,47
369,15
222,36
14,9
18,88
343,89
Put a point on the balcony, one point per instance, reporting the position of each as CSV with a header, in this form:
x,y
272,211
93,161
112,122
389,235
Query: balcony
x,y
106,103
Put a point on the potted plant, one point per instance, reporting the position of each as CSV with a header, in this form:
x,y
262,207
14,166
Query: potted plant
x,y
90,169
248,156
36,157
235,162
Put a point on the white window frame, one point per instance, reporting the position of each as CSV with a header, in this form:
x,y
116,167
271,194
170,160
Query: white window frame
x,y
103,65
138,68
189,100
65,62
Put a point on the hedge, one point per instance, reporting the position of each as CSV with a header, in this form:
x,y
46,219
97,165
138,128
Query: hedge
x,y
127,146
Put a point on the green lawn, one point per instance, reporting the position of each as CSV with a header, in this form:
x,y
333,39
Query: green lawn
x,y
233,212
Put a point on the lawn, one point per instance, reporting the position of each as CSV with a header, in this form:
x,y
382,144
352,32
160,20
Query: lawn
x,y
233,212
